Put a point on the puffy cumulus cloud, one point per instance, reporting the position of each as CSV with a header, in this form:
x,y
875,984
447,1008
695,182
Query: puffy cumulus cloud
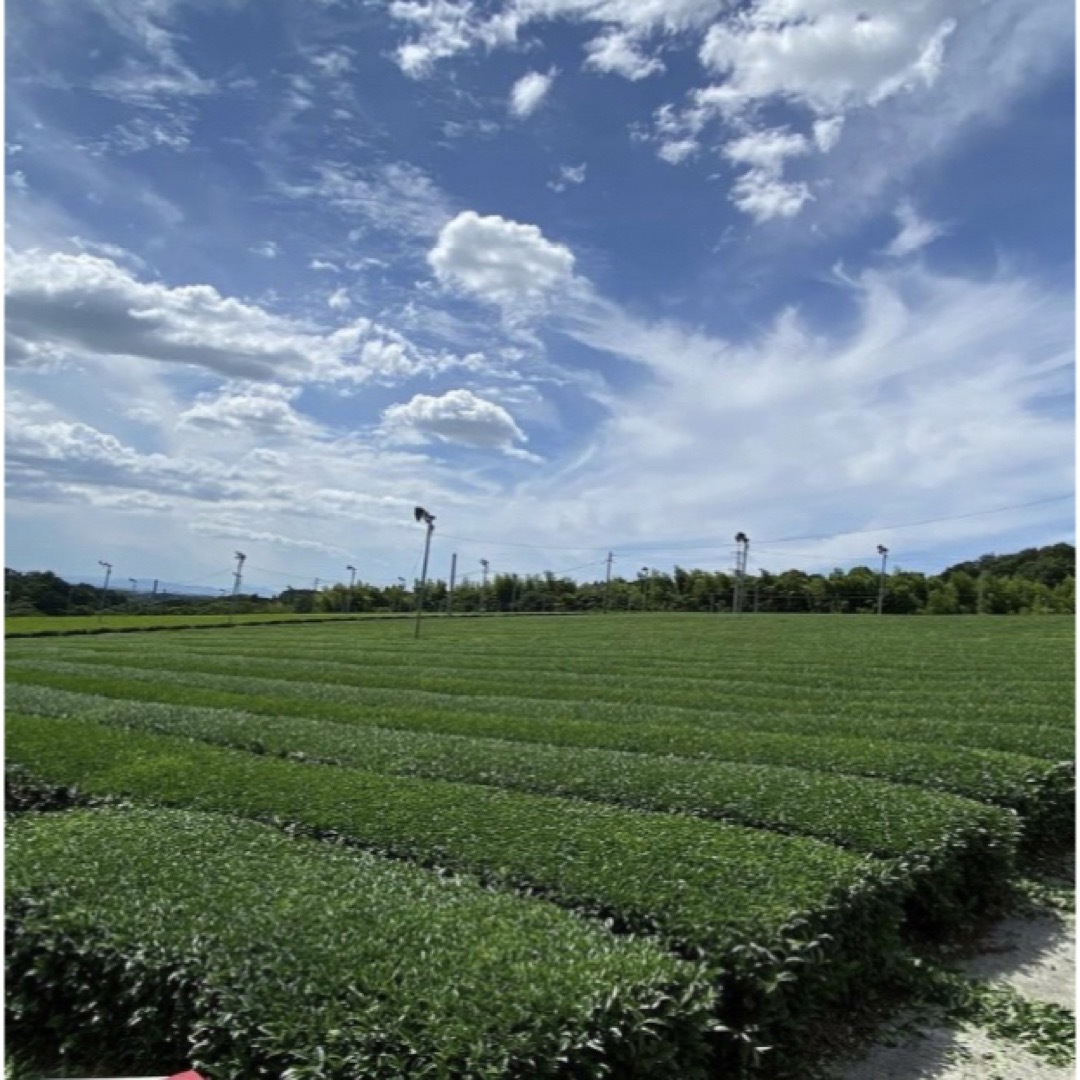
x,y
766,149
829,55
259,409
458,416
90,306
764,196
47,456
915,232
500,261
83,306
529,91
760,191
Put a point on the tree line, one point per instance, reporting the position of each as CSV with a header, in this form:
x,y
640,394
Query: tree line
x,y
1035,581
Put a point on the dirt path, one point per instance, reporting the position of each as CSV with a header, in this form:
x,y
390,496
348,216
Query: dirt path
x,y
1033,955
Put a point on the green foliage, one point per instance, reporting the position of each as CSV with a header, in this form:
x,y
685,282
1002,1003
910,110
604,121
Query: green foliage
x,y
962,589
892,820
828,919
1045,1028
576,759
220,943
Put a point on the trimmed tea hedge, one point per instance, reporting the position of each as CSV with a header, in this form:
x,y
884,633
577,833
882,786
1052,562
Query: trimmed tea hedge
x,y
222,944
789,926
1045,731
866,815
1041,792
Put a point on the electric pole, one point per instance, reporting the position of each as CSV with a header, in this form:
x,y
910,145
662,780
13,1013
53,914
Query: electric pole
x,y
450,591
105,588
352,582
741,558
237,576
607,582
884,553
429,520
483,585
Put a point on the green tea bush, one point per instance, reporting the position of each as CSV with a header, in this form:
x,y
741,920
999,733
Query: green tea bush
x,y
153,939
789,926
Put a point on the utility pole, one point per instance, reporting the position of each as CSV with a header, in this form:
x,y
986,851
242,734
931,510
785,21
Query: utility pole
x,y
884,553
607,581
450,591
105,588
352,582
741,558
429,520
237,577
484,564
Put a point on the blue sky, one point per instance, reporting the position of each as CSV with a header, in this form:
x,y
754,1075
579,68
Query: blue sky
x,y
575,275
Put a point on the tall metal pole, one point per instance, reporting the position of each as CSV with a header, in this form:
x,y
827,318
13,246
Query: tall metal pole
x,y
450,591
741,559
237,574
884,553
483,585
607,582
352,582
429,520
105,588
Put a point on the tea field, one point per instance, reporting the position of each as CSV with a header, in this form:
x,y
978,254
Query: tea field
x,y
625,846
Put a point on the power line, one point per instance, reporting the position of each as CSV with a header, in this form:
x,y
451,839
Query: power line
x,y
914,524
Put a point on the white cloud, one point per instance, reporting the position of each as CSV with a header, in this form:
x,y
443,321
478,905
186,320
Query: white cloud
x,y
760,191
676,151
338,300
827,132
569,175
334,63
397,198
829,55
446,28
170,131
17,180
618,54
87,307
500,261
764,197
268,249
915,232
323,264
766,149
529,92
458,416
259,409
934,402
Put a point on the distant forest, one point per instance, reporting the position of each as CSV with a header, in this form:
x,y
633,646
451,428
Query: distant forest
x,y
1035,581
